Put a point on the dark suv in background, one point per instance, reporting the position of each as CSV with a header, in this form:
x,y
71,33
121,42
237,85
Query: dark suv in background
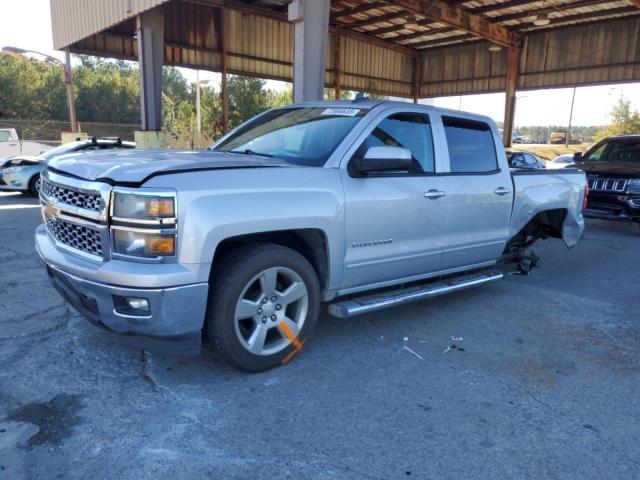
x,y
613,171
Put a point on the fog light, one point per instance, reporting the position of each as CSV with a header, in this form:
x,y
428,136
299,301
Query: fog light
x,y
132,306
138,303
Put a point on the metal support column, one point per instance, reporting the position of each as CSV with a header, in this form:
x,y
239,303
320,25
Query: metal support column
x,y
150,31
337,86
224,94
68,80
513,70
417,78
311,32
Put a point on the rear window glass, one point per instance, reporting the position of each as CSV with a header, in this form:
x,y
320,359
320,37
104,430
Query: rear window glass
x,y
5,136
471,146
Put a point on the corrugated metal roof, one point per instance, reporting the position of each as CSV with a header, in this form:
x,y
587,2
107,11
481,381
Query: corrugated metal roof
x,y
74,20
586,41
605,52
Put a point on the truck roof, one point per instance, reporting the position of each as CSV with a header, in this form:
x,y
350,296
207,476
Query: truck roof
x,y
372,103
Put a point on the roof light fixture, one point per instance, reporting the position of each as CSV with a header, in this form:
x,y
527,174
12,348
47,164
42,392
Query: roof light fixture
x,y
542,20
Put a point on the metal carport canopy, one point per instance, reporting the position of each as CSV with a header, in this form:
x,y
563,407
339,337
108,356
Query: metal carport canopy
x,y
404,48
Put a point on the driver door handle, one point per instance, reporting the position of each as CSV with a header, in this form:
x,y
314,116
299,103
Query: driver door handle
x,y
433,194
501,191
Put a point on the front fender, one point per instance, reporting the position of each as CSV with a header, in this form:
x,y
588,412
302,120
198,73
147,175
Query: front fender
x,y
216,205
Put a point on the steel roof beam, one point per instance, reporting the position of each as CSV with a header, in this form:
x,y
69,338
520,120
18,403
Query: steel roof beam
x,y
377,19
560,8
353,11
460,19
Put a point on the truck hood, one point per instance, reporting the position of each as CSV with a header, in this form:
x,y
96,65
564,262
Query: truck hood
x,y
624,169
134,167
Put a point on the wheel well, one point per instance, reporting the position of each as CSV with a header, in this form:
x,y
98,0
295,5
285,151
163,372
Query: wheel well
x,y
547,223
310,243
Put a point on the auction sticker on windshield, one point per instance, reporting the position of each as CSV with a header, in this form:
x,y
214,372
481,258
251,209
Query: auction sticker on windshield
x,y
344,112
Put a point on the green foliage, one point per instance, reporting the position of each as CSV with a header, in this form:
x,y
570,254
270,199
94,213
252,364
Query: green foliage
x,y
106,91
247,98
623,120
329,94
109,91
542,134
28,88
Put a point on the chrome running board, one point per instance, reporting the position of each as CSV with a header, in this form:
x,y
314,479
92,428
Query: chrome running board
x,y
390,298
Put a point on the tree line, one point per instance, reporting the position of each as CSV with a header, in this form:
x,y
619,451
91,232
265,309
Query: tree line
x,y
109,91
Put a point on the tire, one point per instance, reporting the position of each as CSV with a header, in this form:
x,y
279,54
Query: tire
x,y
264,302
33,186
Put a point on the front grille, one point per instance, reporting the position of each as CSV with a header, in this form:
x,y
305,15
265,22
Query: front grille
x,y
603,184
69,196
76,236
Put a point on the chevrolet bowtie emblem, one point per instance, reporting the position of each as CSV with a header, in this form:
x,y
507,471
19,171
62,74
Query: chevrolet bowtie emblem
x,y
51,210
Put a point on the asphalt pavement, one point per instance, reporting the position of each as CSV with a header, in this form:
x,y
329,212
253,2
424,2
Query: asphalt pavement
x,y
534,377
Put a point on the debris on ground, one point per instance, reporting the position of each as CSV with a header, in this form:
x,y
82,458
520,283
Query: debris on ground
x,y
453,346
456,339
411,351
405,339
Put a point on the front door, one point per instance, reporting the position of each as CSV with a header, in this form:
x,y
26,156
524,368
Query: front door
x,y
393,231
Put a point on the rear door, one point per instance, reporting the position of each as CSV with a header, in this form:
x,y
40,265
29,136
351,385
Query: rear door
x,y
480,193
394,221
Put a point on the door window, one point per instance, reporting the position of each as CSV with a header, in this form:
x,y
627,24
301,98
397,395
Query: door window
x,y
530,160
407,130
471,145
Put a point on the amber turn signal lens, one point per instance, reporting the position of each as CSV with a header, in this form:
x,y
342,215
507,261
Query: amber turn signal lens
x,y
160,207
157,245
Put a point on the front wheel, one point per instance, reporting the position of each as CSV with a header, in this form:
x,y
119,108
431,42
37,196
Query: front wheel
x,y
265,301
33,186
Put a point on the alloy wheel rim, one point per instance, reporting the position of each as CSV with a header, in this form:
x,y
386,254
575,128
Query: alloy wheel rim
x,y
271,311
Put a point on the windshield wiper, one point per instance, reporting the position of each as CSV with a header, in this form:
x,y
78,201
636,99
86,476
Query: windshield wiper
x,y
248,151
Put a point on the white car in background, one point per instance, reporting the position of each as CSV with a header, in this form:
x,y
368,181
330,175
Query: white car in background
x,y
10,144
561,161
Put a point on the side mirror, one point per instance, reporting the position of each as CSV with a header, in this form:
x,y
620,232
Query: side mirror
x,y
382,159
577,157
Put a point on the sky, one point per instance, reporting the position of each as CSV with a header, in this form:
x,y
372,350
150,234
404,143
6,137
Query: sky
x,y
26,24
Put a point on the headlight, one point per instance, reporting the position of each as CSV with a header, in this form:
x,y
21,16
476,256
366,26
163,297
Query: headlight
x,y
139,243
143,223
634,186
130,205
13,169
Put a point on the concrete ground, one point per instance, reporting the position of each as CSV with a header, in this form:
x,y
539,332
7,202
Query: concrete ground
x,y
544,384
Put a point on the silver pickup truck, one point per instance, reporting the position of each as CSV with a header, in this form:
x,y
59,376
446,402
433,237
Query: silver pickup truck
x,y
359,205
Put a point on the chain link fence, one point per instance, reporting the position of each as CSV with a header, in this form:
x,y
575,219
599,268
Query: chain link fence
x,y
49,131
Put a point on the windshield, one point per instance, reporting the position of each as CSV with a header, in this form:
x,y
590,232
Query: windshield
x,y
616,151
302,136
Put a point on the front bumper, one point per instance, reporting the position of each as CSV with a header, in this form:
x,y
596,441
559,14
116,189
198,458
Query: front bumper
x,y
610,206
9,185
172,324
